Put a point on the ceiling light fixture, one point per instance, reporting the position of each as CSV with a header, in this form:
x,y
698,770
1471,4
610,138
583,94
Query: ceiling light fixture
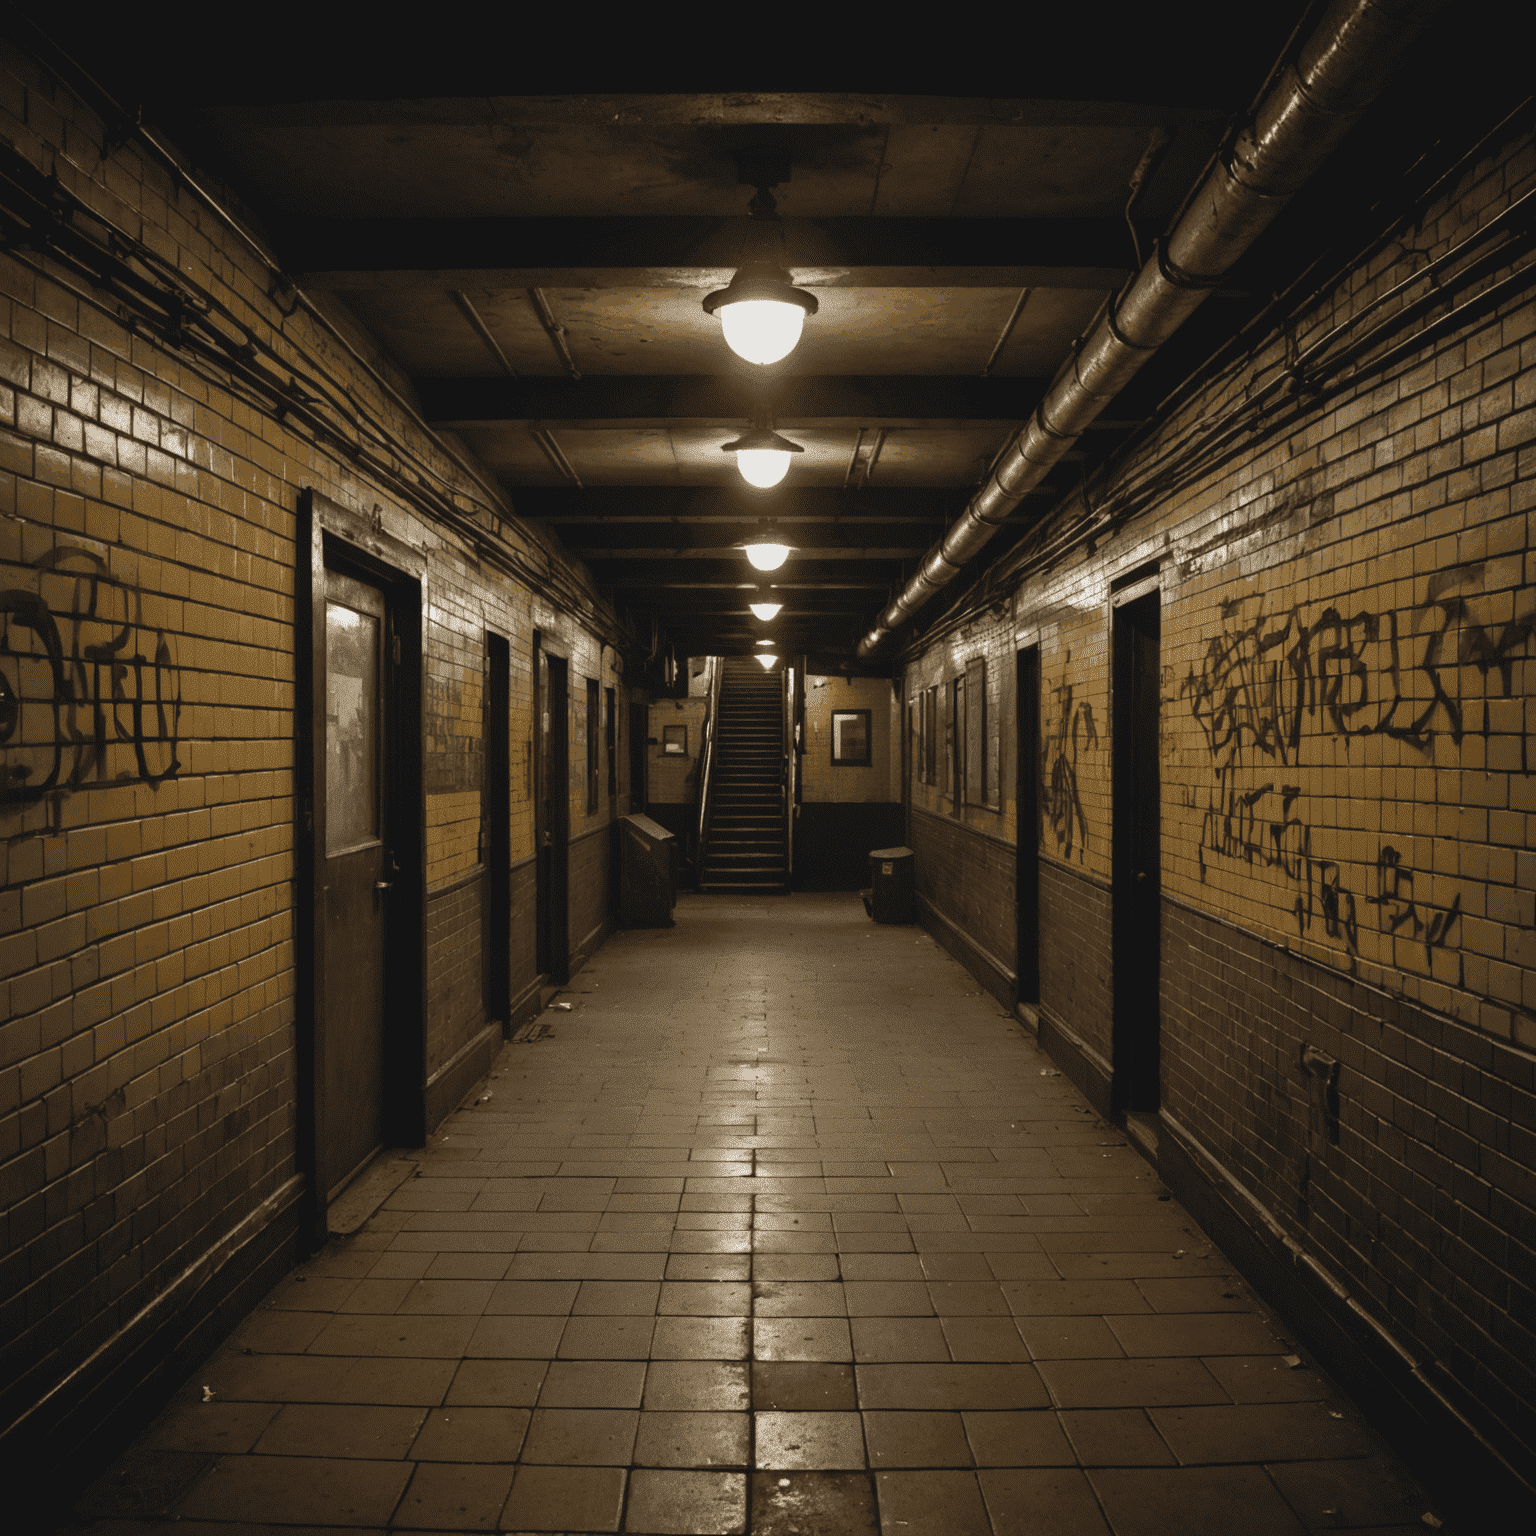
x,y
767,556
762,456
769,662
765,611
765,642
761,312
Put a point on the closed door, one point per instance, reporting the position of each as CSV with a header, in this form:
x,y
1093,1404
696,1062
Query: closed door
x,y
556,822
1027,871
1136,855
357,879
497,792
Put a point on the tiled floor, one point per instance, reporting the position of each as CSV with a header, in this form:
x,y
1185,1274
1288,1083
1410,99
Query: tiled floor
x,y
788,1229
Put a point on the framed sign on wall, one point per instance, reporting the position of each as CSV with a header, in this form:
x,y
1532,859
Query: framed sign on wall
x,y
850,738
674,741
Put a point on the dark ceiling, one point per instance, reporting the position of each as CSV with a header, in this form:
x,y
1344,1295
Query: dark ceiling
x,y
527,225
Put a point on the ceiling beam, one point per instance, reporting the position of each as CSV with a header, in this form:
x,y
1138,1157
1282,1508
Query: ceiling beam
x,y
734,503
695,252
728,552
614,400
711,109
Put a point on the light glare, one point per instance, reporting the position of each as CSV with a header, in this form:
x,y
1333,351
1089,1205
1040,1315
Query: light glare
x,y
768,557
769,662
765,611
762,467
761,330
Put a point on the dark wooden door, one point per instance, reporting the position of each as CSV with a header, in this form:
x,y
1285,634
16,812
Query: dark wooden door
x,y
1136,855
498,828
555,851
358,875
1027,823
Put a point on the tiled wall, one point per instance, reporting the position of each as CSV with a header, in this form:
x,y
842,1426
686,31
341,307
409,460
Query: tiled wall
x,y
674,780
1348,659
148,500
820,780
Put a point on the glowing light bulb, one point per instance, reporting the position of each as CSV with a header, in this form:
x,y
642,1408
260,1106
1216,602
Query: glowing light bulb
x,y
765,611
765,642
762,467
761,313
769,662
762,331
767,557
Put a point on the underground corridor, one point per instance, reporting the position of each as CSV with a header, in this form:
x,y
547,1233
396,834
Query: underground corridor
x,y
785,1226
767,776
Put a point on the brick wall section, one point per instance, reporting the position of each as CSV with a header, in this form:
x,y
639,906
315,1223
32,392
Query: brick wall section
x,y
970,880
456,940
593,891
1426,1200
1076,976
1348,664
147,1067
674,780
523,956
818,778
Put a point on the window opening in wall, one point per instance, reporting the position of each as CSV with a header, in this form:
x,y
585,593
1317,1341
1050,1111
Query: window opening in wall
x,y
931,735
851,738
592,728
954,745
976,775
611,742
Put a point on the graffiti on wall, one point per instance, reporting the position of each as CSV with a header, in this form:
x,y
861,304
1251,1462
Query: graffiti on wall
x,y
89,694
1268,681
1061,806
1264,679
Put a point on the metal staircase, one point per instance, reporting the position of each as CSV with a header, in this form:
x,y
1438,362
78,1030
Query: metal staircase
x,y
745,847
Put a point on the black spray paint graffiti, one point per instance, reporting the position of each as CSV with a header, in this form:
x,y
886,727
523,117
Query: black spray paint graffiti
x,y
1061,806
1263,680
81,679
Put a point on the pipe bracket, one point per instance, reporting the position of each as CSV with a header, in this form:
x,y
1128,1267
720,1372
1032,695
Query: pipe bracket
x,y
1177,277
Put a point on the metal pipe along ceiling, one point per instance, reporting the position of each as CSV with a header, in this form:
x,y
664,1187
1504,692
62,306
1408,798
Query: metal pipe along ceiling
x,y
1311,106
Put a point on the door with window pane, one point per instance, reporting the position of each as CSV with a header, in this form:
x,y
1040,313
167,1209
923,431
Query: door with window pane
x,y
357,878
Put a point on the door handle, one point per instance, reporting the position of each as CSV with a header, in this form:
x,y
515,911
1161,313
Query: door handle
x,y
383,885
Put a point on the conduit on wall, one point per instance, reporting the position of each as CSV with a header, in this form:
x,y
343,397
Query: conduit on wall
x,y
1338,73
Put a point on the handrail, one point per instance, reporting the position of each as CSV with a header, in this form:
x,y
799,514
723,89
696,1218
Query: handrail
x,y
707,760
790,772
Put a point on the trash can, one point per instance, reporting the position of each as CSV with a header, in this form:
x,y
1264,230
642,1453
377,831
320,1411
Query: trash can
x,y
890,898
647,873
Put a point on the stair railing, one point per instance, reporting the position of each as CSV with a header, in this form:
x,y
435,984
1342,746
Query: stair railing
x,y
707,762
789,773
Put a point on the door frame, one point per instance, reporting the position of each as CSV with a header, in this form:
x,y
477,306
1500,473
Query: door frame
x,y
1026,767
552,885
498,840
330,535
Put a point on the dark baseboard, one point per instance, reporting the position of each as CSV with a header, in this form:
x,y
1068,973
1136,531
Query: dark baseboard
x,y
451,1082
525,1005
986,968
64,1440
1398,1395
590,945
1088,1071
